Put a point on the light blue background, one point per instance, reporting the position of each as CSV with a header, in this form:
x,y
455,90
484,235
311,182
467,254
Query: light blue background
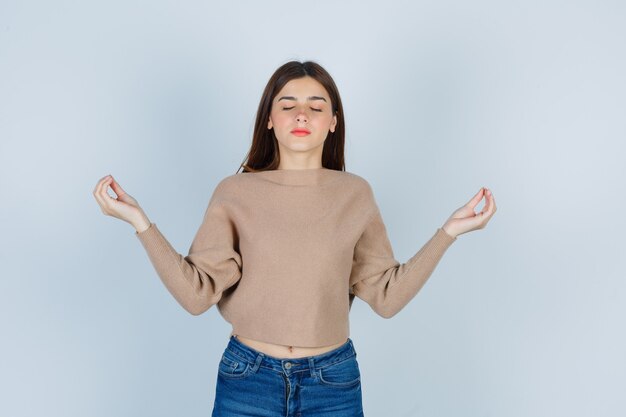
x,y
523,318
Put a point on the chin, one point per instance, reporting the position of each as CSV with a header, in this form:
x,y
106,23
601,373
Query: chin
x,y
301,144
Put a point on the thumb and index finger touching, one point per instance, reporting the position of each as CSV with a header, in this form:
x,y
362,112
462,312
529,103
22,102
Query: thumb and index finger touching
x,y
117,188
101,193
490,204
476,198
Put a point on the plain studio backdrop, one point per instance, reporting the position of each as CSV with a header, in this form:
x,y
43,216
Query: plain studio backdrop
x,y
523,318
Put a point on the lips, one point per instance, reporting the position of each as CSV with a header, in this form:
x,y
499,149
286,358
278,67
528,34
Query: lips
x,y
300,132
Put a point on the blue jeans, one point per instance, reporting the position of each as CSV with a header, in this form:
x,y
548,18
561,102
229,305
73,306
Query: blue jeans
x,y
252,383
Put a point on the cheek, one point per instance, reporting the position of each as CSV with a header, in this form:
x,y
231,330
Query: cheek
x,y
280,118
322,120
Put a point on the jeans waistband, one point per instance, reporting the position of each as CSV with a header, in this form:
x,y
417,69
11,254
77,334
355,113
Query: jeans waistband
x,y
291,365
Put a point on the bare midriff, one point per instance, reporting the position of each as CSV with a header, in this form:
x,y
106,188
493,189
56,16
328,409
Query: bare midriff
x,y
284,351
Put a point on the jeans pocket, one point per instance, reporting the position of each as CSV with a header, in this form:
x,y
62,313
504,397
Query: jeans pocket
x,y
341,374
232,366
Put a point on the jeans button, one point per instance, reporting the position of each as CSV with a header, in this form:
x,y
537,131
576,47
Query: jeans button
x,y
288,365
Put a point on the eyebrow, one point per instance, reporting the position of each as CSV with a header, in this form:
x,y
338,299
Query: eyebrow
x,y
308,98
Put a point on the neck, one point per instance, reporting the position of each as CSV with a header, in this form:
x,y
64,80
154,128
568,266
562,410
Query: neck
x,y
302,176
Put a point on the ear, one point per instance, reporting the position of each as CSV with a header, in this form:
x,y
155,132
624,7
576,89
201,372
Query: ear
x,y
333,124
269,124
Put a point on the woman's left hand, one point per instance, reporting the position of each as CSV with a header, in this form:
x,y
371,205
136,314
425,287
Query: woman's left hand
x,y
465,220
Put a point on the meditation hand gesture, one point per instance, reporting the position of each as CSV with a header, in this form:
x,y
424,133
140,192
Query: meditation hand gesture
x,y
124,207
464,219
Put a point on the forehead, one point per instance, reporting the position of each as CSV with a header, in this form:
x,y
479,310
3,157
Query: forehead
x,y
301,88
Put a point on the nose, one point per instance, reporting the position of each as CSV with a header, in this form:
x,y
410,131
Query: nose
x,y
301,117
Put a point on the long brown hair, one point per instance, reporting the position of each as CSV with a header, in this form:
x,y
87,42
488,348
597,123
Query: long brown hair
x,y
264,152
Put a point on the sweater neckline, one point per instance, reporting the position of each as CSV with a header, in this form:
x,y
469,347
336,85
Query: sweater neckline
x,y
308,176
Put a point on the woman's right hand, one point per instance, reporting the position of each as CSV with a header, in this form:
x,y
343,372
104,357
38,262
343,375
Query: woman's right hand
x,y
124,207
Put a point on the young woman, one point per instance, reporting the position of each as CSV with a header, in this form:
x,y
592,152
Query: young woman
x,y
283,249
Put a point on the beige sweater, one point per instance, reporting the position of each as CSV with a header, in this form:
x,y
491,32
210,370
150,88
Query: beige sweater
x,y
283,253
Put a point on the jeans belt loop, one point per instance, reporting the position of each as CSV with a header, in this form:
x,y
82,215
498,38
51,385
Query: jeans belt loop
x,y
312,367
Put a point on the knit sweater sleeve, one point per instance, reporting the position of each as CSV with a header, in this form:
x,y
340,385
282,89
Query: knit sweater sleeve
x,y
212,265
379,279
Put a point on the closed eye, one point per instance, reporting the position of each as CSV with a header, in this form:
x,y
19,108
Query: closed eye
x,y
289,108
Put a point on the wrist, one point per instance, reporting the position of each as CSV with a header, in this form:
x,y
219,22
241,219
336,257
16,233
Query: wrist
x,y
446,228
142,224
